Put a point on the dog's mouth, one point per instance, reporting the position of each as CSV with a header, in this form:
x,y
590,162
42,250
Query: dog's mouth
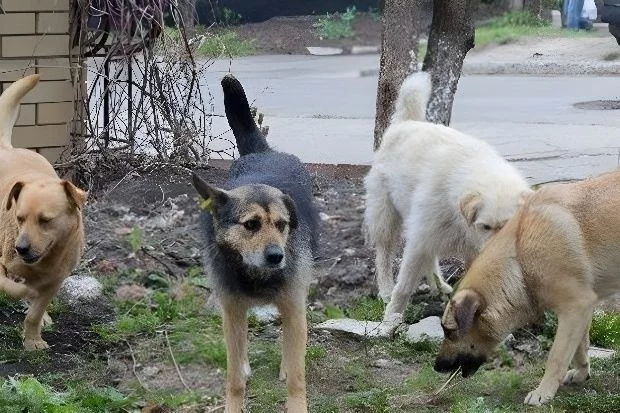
x,y
32,259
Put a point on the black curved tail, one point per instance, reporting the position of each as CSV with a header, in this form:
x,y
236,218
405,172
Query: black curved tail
x,y
248,136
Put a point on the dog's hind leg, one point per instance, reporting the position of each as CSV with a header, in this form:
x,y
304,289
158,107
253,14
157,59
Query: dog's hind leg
x,y
417,262
236,336
295,334
436,282
382,227
581,362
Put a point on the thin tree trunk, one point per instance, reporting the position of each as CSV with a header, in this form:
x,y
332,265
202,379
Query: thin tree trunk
x,y
187,10
451,37
534,6
398,57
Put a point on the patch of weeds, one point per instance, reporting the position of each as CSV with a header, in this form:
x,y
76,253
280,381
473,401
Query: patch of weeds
x,y
23,394
374,400
227,44
336,26
605,330
519,18
229,17
366,308
359,373
501,385
425,379
413,313
401,349
505,358
477,405
609,57
589,401
324,404
374,13
128,326
199,340
315,353
264,390
134,239
333,311
11,348
56,308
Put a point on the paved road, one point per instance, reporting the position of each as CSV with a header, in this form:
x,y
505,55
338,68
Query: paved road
x,y
321,109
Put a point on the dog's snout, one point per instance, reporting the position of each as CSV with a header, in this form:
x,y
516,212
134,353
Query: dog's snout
x,y
22,247
444,365
274,254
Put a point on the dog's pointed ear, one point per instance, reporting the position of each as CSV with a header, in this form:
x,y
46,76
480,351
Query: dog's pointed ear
x,y
75,195
470,206
461,311
292,211
212,197
14,194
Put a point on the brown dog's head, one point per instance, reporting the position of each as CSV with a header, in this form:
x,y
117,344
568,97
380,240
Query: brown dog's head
x,y
252,220
469,339
46,212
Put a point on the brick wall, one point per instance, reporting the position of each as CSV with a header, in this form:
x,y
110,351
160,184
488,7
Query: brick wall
x,y
34,38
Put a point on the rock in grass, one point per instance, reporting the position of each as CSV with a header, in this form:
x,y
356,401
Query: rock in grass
x,y
426,329
80,289
266,314
354,327
600,353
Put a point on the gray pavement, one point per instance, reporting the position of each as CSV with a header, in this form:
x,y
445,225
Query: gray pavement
x,y
322,110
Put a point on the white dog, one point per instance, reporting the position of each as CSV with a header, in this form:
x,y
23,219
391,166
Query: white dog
x,y
444,191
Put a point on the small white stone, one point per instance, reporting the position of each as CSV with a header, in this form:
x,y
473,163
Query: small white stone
x,y
324,51
266,314
427,329
600,353
365,49
349,252
80,288
355,327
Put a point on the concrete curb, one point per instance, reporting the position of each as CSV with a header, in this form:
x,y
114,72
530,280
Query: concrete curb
x,y
531,68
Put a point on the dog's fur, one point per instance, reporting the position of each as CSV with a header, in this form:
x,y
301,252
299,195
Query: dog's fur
x,y
446,192
41,230
261,232
560,252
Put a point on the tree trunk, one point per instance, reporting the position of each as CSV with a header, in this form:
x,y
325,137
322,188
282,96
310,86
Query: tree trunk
x,y
451,37
399,44
534,6
187,11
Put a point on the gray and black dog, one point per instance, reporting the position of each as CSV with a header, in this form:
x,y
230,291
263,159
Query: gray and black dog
x,y
261,233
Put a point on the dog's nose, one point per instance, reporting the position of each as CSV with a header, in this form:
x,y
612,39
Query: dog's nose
x,y
274,254
22,248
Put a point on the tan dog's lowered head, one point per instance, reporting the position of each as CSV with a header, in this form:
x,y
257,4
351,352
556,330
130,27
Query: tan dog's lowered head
x,y
41,229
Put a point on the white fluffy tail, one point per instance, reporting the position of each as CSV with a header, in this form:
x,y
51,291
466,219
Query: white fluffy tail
x,y
413,98
9,106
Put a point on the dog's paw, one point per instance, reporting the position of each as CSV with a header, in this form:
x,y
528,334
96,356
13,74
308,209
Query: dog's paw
x,y
538,397
390,324
577,376
35,344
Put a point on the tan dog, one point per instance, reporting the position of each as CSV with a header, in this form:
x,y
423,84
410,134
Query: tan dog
x,y
41,231
560,252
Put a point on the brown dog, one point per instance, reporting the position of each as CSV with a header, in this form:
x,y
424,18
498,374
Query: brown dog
x,y
560,252
41,230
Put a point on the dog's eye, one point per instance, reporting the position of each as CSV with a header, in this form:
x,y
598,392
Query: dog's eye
x,y
487,227
20,220
281,225
252,225
44,220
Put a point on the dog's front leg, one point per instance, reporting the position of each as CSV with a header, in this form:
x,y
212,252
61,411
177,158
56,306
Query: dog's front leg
x,y
295,334
236,336
572,325
34,317
581,362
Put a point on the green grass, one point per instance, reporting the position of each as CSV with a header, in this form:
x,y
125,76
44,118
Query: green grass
x,y
225,44
366,308
336,26
605,330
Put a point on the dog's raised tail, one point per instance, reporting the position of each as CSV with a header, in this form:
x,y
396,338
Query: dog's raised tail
x,y
413,98
248,136
9,106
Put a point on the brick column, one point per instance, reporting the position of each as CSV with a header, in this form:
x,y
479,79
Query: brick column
x,y
34,38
